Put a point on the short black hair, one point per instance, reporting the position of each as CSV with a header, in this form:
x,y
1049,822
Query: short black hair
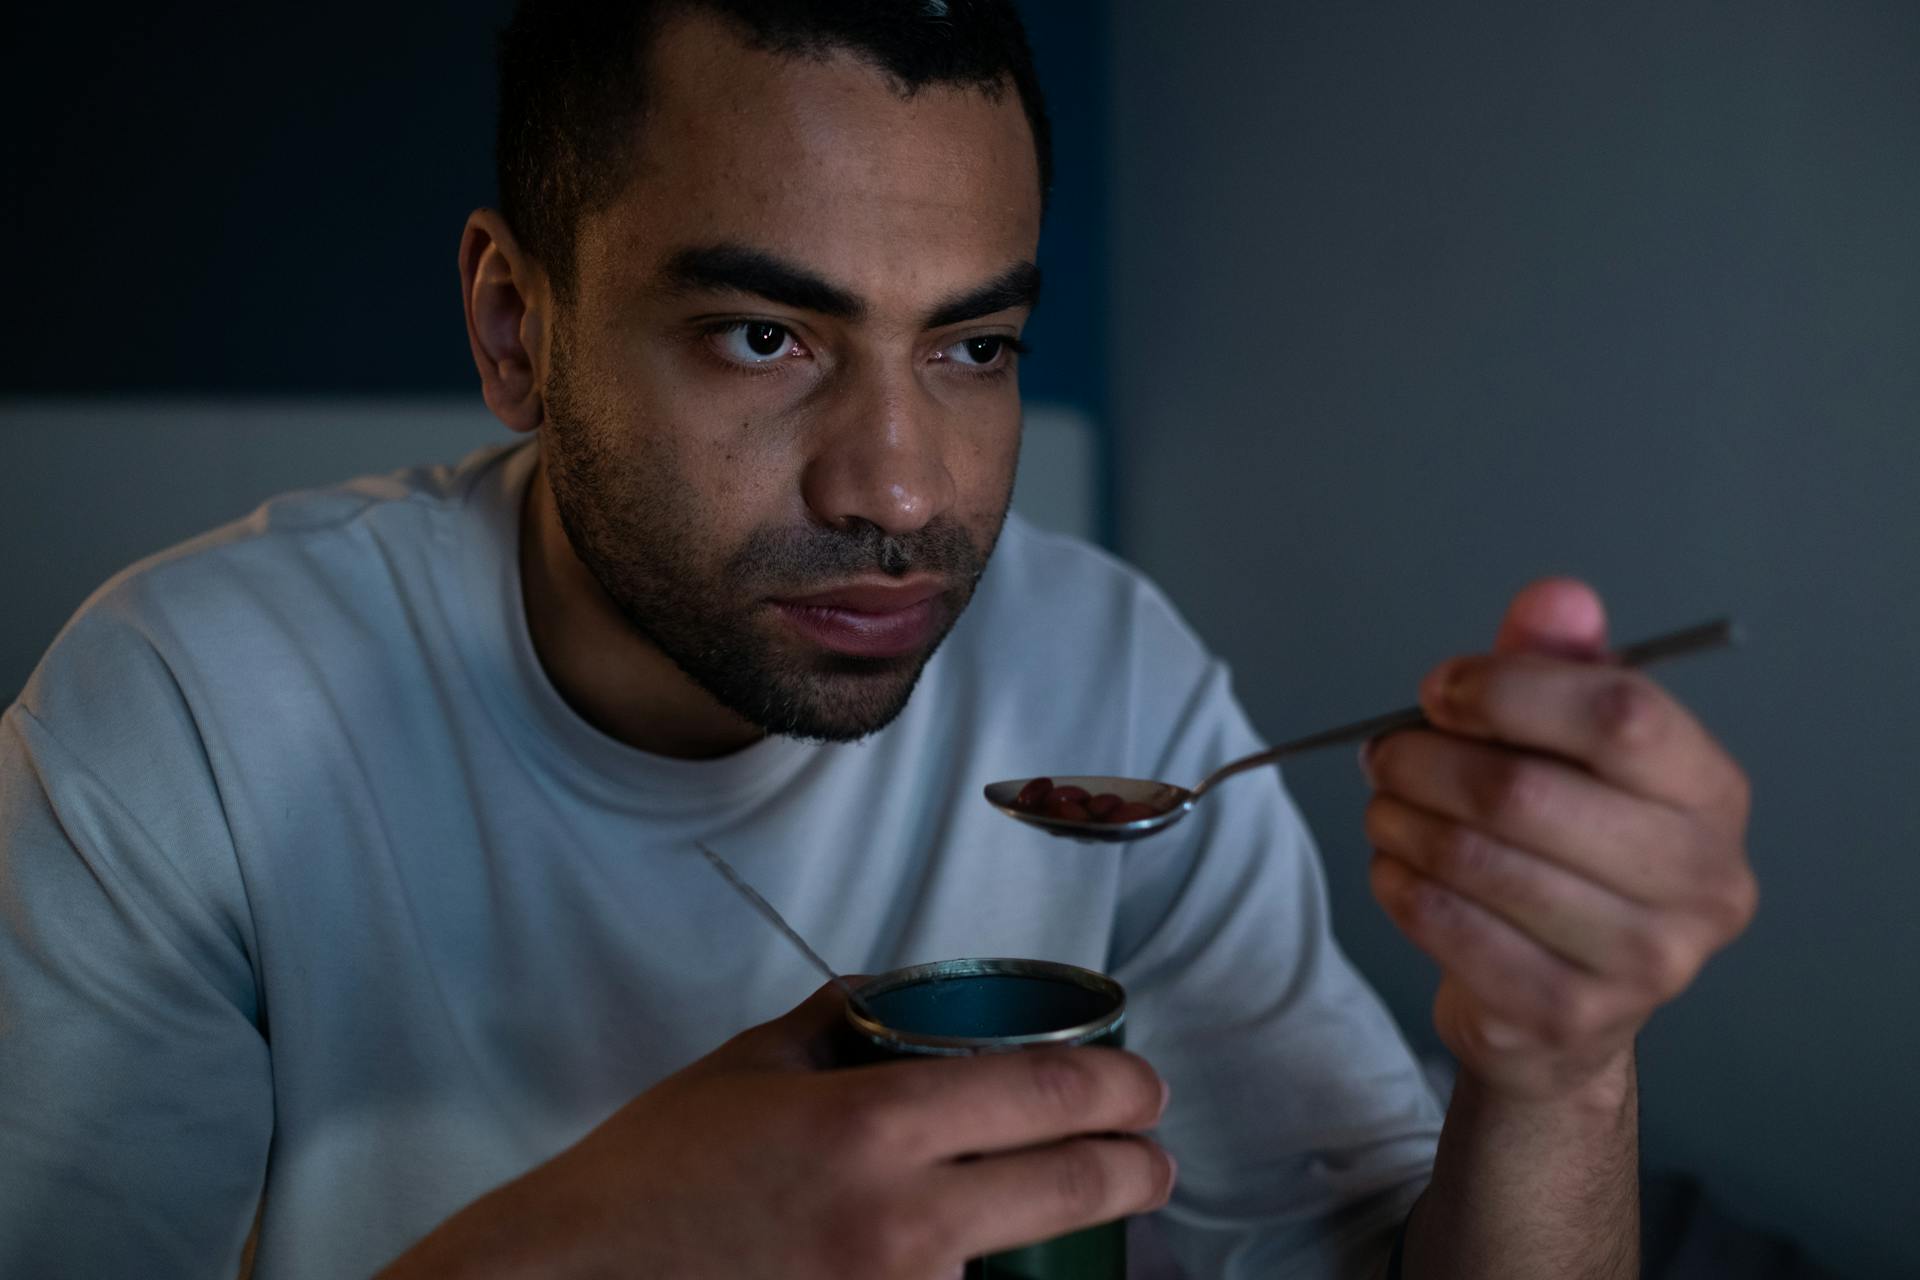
x,y
572,87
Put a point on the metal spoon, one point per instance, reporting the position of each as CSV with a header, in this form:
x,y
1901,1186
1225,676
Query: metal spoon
x,y
779,922
1175,803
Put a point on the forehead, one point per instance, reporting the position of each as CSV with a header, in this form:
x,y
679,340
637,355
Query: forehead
x,y
821,161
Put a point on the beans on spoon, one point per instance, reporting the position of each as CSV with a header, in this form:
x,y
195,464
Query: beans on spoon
x,y
1041,797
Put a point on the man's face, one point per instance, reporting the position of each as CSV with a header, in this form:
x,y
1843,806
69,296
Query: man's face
x,y
782,413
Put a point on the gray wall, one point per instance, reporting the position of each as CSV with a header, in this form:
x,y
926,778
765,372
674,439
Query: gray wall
x,y
1414,303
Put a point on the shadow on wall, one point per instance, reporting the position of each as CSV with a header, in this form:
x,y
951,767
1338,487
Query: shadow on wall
x,y
1686,1236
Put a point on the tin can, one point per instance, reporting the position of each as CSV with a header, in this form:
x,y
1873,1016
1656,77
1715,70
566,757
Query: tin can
x,y
961,1007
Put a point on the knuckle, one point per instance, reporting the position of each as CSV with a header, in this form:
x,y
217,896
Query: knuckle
x,y
1462,856
1063,1081
1630,713
1665,963
1720,889
871,1126
1082,1181
1512,791
1429,907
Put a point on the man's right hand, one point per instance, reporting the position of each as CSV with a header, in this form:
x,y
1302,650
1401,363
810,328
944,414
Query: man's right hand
x,y
754,1161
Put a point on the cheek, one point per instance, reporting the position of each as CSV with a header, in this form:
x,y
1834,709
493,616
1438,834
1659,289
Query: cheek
x,y
680,462
738,466
983,467
718,491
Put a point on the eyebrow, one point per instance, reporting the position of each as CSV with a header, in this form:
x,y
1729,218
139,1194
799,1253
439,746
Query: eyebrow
x,y
734,268
1017,286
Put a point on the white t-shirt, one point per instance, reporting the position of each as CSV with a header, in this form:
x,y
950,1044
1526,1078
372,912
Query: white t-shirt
x,y
316,900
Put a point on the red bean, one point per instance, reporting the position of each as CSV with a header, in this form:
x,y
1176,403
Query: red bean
x,y
1072,810
1033,795
1040,796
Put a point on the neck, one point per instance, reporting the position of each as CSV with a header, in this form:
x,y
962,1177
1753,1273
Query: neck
x,y
612,676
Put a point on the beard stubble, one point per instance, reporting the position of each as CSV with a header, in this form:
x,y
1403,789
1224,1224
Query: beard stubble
x,y
633,521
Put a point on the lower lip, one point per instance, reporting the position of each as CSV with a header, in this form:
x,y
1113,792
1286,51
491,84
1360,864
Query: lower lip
x,y
864,635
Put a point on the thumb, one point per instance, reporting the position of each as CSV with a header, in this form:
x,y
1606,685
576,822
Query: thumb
x,y
1558,616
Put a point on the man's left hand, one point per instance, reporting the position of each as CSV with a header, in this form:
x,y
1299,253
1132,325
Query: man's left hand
x,y
1567,842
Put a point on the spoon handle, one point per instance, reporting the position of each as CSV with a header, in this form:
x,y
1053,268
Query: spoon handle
x,y
1716,634
779,922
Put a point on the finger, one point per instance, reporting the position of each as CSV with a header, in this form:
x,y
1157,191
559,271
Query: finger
x,y
1619,724
800,1039
937,1108
1640,849
1589,926
1560,616
1533,995
1018,1198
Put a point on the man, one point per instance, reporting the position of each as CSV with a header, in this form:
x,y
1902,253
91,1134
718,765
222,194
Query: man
x,y
351,900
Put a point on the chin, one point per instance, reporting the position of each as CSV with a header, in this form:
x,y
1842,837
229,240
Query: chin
x,y
845,700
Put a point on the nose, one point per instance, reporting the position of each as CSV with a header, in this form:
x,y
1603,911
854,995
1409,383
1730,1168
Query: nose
x,y
879,459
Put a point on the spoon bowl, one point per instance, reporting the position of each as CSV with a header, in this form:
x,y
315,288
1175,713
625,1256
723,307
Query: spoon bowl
x,y
1175,803
1171,801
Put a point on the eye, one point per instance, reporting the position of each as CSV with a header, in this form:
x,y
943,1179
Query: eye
x,y
756,342
982,352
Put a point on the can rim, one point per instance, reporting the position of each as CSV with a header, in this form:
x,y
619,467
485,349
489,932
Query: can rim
x,y
990,966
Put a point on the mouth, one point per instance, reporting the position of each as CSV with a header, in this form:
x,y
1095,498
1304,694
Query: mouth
x,y
867,619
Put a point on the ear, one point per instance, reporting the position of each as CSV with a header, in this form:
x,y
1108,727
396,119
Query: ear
x,y
508,315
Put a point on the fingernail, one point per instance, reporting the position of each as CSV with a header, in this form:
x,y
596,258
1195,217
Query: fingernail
x,y
1166,1095
1366,762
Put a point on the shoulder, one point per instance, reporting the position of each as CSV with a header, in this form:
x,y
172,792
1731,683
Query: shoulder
x,y
300,569
302,530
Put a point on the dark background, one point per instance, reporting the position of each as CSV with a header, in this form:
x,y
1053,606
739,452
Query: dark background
x,y
1383,309
1422,301
268,198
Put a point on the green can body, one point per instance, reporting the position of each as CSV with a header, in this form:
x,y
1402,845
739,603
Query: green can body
x,y
964,1007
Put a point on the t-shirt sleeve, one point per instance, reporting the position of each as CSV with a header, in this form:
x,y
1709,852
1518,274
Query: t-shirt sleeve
x,y
135,1094
1303,1125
